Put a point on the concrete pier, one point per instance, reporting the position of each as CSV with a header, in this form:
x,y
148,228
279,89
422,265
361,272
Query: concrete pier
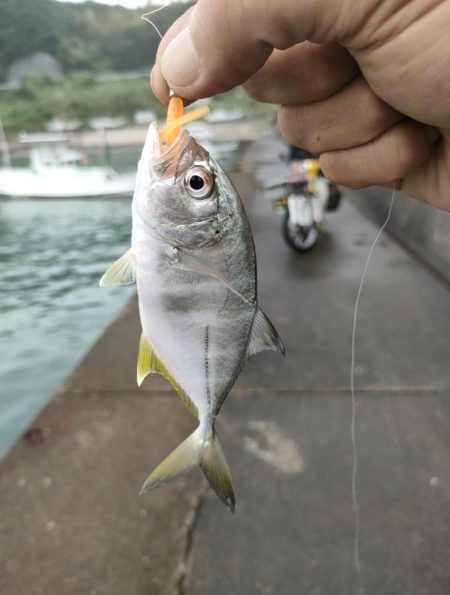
x,y
71,519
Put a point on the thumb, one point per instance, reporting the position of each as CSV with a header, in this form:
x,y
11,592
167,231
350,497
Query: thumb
x,y
222,43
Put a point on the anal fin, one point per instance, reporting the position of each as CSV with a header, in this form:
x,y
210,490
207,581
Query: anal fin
x,y
264,337
149,363
121,272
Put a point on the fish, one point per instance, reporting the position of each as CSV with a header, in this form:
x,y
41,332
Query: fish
x,y
193,259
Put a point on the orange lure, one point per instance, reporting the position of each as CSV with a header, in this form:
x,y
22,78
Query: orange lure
x,y
176,118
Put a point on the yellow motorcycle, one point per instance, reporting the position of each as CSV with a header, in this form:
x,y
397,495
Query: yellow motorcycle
x,y
308,196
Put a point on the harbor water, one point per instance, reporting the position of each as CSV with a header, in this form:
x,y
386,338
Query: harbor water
x,y
52,254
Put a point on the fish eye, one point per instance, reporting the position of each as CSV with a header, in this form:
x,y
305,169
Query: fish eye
x,y
199,182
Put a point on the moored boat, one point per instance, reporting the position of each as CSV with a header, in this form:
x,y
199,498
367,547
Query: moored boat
x,y
56,171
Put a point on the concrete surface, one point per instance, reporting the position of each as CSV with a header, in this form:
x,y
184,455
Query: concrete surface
x,y
71,520
426,231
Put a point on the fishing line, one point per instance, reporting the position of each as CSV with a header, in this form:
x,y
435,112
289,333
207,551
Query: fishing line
x,y
145,16
355,503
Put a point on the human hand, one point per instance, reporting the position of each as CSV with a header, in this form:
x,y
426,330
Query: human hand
x,y
373,98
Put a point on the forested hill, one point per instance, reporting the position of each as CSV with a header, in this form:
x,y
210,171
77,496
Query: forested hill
x,y
89,37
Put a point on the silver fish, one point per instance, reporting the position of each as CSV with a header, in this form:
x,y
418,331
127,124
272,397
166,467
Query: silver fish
x,y
193,259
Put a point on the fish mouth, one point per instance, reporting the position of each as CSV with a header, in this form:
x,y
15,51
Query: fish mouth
x,y
158,150
178,145
167,160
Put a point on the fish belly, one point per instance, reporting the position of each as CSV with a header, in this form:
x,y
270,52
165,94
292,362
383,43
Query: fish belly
x,y
200,330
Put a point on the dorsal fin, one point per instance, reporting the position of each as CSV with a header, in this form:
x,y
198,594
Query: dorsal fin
x,y
121,272
149,363
263,337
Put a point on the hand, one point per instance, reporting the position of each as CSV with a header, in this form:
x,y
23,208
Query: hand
x,y
373,98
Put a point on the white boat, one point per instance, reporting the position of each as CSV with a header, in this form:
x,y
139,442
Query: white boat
x,y
56,171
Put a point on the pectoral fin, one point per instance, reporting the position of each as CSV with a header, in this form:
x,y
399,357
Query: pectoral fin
x,y
149,363
121,272
264,337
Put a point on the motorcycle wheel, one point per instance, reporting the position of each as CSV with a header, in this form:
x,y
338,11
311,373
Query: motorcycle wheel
x,y
334,198
300,240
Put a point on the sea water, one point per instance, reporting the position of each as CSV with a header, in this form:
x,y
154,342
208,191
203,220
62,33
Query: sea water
x,y
52,255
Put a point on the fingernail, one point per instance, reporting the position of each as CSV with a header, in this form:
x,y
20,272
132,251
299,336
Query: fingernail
x,y
151,81
432,134
180,65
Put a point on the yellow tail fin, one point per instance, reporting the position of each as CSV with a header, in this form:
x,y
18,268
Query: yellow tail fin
x,y
194,451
